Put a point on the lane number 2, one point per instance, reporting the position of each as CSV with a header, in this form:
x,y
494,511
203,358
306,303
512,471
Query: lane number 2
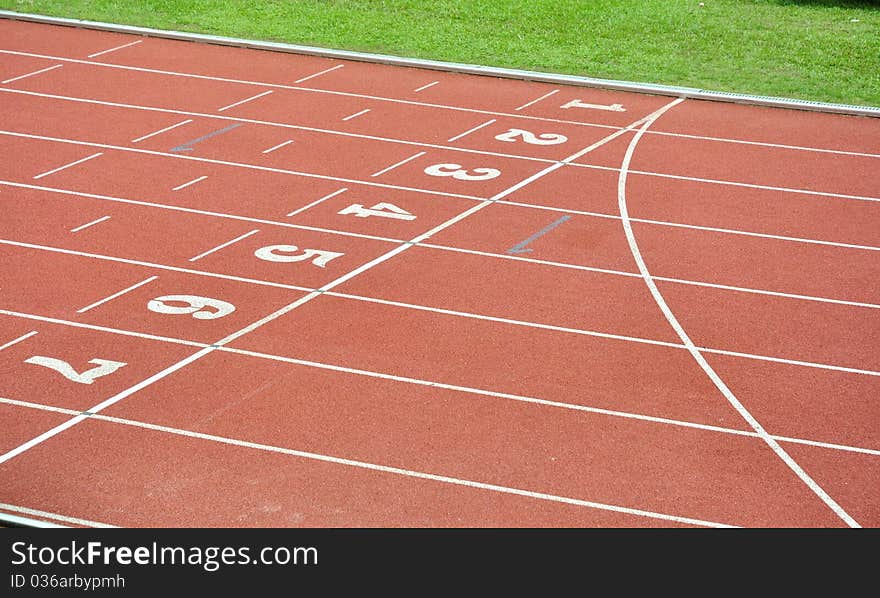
x,y
459,173
512,135
282,253
201,308
103,367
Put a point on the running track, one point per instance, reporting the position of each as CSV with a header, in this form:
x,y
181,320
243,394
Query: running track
x,y
246,288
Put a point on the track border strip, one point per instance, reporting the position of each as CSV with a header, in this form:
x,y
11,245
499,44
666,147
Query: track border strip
x,y
455,67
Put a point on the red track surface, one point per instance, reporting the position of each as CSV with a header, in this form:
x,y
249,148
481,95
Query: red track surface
x,y
447,365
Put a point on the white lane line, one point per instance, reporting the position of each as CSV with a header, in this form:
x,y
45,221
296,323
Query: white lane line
x,y
356,114
469,131
60,168
396,164
692,348
681,177
178,156
424,87
240,102
114,49
317,201
511,321
48,68
279,146
319,73
585,332
88,224
15,341
153,134
29,522
373,466
224,245
661,278
55,516
384,99
188,183
441,385
311,89
120,332
117,294
535,101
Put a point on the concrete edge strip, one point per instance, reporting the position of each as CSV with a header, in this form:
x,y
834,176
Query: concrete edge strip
x,y
669,90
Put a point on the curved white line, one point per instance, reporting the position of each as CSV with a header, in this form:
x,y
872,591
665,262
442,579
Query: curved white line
x,y
670,317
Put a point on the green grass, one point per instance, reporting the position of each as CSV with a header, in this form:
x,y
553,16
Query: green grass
x,y
809,49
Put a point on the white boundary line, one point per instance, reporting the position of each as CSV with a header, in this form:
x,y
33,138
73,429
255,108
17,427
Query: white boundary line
x,y
115,295
554,78
88,224
15,341
55,516
396,164
471,130
192,182
60,168
102,52
224,245
317,201
319,73
691,347
31,74
377,467
240,102
154,133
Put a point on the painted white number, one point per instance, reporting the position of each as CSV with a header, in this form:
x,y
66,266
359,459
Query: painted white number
x,y
102,367
194,305
529,137
385,210
457,172
580,104
279,253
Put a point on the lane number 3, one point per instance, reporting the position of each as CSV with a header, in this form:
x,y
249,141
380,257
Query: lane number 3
x,y
457,172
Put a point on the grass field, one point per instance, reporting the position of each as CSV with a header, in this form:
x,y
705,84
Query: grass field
x,y
809,49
